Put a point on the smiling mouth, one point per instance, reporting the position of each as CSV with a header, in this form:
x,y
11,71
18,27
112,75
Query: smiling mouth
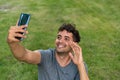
x,y
61,46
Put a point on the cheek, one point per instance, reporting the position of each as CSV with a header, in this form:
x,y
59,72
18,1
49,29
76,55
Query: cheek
x,y
68,45
56,41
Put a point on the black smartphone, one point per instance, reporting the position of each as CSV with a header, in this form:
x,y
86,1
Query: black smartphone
x,y
23,20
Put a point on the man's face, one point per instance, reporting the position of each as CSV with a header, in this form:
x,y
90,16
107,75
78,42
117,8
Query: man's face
x,y
62,41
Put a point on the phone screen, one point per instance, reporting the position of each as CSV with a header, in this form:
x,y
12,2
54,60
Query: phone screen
x,y
23,20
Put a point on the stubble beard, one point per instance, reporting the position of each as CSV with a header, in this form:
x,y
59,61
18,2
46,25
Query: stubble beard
x,y
62,52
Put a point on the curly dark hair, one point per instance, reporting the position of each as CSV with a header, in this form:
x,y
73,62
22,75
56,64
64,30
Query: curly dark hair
x,y
71,28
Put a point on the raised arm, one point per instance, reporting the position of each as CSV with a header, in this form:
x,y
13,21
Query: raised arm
x,y
77,58
19,52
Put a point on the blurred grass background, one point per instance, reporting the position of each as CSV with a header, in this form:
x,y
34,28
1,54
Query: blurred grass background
x,y
98,22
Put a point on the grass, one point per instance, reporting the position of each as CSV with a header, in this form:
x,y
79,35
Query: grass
x,y
98,22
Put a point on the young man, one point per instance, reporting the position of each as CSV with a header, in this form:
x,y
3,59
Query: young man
x,y
65,62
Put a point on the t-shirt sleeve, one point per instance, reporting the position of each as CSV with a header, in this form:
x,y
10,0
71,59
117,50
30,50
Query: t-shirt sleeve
x,y
45,56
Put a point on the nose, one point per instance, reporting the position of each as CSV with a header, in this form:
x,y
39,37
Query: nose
x,y
61,40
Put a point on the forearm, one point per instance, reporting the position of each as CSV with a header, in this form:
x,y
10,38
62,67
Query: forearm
x,y
83,72
17,50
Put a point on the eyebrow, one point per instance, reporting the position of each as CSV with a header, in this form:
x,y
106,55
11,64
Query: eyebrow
x,y
58,35
65,36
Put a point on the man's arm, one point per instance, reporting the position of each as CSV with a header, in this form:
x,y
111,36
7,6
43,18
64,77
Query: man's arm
x,y
78,60
82,71
18,50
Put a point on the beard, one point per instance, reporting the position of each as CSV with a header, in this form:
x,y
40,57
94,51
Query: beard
x,y
62,51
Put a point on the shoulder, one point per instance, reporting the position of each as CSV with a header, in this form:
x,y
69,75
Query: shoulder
x,y
46,56
48,51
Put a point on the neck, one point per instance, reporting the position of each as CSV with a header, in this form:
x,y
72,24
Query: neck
x,y
63,59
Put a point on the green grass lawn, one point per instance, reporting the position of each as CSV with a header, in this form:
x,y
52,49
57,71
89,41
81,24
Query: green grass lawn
x,y
98,22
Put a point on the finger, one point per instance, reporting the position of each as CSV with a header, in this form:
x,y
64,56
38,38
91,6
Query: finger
x,y
16,40
19,29
76,48
12,39
72,45
23,26
75,45
26,32
71,56
19,35
15,31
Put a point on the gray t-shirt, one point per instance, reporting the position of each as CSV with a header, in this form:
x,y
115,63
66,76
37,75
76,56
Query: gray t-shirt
x,y
49,69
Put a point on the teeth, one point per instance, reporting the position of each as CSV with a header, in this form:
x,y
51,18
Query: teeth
x,y
60,46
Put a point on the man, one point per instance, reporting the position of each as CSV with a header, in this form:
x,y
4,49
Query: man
x,y
65,62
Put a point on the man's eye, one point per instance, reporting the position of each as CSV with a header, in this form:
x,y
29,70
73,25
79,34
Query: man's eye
x,y
58,37
67,39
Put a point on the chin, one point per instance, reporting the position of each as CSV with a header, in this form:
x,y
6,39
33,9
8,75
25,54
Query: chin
x,y
61,50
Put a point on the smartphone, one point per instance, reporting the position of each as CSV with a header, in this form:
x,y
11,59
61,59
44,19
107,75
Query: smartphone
x,y
23,20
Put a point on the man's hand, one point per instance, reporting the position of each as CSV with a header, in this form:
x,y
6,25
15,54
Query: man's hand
x,y
76,54
14,31
77,58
